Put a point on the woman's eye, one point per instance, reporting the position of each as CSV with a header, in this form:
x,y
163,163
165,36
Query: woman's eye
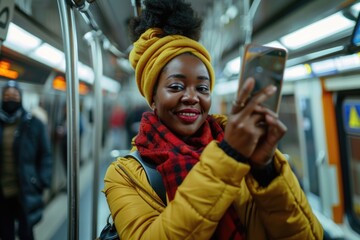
x,y
203,89
176,87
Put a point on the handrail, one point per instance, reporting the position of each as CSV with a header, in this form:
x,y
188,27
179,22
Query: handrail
x,y
246,24
83,7
93,39
68,28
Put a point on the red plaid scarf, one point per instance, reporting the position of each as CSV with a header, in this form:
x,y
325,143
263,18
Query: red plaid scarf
x,y
175,158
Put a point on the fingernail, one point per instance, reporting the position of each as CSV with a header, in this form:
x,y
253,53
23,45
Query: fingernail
x,y
271,89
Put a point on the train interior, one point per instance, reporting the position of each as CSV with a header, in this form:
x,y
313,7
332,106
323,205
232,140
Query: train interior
x,y
320,101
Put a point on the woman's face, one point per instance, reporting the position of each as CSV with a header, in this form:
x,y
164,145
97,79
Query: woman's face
x,y
182,99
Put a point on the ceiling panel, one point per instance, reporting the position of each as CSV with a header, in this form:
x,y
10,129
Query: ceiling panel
x,y
272,19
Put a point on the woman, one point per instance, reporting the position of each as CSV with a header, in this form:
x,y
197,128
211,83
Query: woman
x,y
224,178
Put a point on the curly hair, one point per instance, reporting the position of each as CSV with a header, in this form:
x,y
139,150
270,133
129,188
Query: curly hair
x,y
172,16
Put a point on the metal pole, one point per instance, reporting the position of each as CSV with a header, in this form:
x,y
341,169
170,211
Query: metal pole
x,y
246,23
245,26
72,102
94,42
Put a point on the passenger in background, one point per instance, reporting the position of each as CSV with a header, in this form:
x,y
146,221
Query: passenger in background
x,y
133,120
25,166
118,132
61,136
224,177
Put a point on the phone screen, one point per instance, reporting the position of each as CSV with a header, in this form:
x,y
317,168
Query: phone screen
x,y
266,65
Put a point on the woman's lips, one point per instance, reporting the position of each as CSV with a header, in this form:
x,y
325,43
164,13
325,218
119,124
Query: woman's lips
x,y
188,116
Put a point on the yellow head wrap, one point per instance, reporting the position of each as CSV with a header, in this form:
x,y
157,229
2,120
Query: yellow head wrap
x,y
151,53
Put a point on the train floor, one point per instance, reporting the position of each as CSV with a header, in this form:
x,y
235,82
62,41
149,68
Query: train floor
x,y
54,225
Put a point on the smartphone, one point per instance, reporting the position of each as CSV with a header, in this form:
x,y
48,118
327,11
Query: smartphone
x,y
266,65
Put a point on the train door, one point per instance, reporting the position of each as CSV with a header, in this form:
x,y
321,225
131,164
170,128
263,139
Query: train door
x,y
310,129
321,173
347,110
305,142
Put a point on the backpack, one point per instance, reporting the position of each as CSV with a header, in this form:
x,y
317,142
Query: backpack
x,y
109,231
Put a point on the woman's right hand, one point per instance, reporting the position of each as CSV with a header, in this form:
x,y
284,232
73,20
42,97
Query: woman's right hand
x,y
245,124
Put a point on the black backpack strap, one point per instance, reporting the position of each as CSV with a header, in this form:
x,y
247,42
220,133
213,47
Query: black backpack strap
x,y
153,176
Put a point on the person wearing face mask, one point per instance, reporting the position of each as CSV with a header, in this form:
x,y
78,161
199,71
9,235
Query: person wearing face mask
x,y
25,166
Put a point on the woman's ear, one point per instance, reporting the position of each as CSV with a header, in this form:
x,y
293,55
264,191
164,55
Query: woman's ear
x,y
153,107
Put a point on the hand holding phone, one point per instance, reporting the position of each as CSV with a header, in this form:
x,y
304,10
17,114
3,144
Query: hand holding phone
x,y
266,65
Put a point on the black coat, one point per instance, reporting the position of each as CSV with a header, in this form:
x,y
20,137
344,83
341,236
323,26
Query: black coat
x,y
34,165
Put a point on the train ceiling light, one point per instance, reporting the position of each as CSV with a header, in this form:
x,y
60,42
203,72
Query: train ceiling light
x,y
320,68
336,65
85,72
29,45
319,30
20,39
275,44
324,67
348,62
49,54
314,55
297,72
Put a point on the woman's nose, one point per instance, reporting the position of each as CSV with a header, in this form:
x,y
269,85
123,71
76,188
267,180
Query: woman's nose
x,y
190,96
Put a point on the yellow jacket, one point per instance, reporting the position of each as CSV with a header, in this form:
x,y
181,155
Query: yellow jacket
x,y
279,211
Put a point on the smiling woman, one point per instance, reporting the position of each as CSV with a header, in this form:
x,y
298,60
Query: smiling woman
x,y
183,95
224,178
